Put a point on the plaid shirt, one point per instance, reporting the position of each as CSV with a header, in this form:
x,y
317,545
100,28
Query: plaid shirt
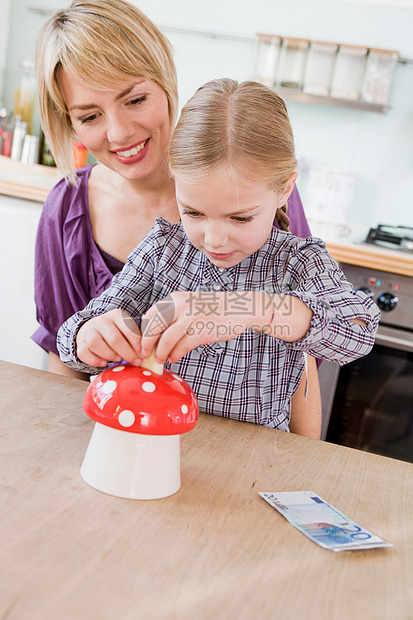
x,y
253,376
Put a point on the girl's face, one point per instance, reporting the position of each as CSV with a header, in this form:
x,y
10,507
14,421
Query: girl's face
x,y
127,130
228,220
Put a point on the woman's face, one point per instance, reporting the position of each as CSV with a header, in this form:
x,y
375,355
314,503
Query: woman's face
x,y
127,129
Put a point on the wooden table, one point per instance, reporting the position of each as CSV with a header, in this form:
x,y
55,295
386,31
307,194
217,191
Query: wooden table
x,y
214,550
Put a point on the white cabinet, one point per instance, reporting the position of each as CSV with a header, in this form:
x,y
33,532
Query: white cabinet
x,y
18,226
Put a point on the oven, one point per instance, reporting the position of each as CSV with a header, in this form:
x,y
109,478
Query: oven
x,y
368,403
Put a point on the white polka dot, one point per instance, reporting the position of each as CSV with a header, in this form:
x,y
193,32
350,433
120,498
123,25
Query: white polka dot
x,y
126,418
109,387
184,409
118,368
147,373
148,386
177,377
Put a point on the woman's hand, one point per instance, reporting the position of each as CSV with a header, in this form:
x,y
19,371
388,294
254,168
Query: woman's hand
x,y
187,319
109,337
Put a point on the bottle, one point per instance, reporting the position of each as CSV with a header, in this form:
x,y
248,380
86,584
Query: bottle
x,y
19,134
80,154
6,134
29,152
45,154
25,93
3,114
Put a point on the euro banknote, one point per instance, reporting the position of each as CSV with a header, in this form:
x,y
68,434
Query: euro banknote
x,y
321,522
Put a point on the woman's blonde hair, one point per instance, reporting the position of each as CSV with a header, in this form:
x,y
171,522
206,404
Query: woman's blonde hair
x,y
243,126
99,42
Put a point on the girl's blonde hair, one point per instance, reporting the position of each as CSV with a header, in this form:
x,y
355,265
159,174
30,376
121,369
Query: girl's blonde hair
x,y
99,42
244,126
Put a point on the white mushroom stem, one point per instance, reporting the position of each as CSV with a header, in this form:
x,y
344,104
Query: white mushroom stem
x,y
151,364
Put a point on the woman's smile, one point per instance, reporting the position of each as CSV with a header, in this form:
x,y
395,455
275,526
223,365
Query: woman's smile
x,y
132,154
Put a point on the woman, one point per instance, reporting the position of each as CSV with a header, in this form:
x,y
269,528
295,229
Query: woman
x,y
106,75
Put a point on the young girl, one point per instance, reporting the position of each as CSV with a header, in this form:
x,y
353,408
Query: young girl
x,y
240,303
106,74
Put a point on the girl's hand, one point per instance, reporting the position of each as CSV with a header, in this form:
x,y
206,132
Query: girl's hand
x,y
187,319
109,337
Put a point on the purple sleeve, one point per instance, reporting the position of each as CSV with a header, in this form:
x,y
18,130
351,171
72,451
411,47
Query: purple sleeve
x,y
298,222
69,270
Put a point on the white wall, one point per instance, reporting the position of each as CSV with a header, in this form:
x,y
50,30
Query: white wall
x,y
4,37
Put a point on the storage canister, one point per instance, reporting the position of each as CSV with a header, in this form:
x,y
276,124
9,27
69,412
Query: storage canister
x,y
266,59
293,58
378,77
319,68
349,72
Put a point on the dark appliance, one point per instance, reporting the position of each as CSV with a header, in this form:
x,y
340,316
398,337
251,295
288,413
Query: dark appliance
x,y
368,404
392,237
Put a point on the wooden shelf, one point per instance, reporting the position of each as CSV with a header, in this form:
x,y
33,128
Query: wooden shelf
x,y
303,97
32,182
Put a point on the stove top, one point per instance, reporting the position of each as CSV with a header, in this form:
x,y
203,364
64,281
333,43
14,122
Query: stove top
x,y
393,237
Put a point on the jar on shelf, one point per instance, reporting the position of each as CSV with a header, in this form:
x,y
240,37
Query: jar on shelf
x,y
45,154
19,134
6,131
30,151
293,58
80,154
266,59
319,69
349,72
25,93
378,77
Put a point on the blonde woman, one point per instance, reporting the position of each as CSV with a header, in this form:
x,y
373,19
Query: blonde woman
x,y
242,302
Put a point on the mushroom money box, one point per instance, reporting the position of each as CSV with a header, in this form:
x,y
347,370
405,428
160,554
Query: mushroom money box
x,y
134,451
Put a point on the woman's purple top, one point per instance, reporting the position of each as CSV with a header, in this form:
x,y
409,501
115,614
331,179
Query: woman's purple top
x,y
70,269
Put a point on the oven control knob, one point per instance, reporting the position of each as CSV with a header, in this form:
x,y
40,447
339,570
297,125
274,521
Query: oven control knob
x,y
365,290
387,302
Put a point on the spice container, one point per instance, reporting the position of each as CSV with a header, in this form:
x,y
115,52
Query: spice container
x,y
19,134
45,154
348,72
25,93
266,58
80,154
293,58
319,68
6,132
30,150
378,77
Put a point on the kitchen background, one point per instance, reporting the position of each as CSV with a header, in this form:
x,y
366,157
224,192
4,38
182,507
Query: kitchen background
x,y
376,148
212,39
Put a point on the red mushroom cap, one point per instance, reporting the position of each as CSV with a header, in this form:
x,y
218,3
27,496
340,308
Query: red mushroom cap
x,y
137,400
